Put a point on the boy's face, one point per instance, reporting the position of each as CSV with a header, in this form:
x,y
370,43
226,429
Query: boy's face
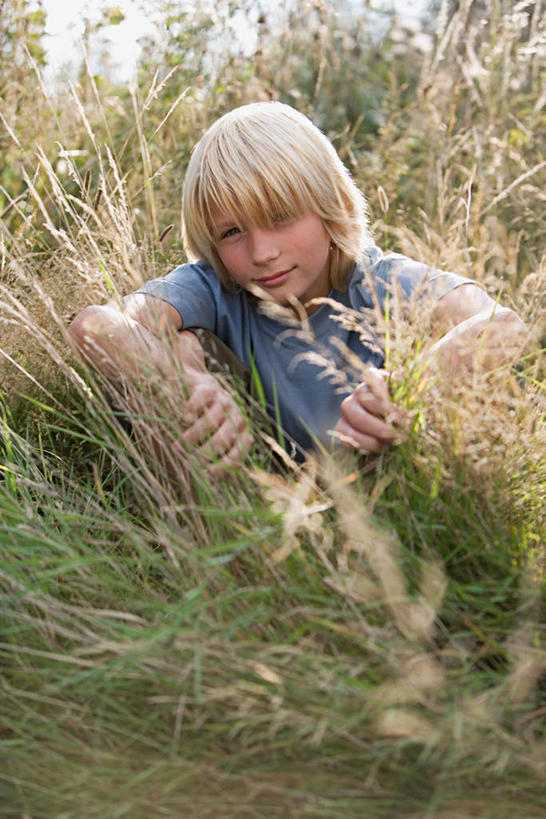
x,y
289,259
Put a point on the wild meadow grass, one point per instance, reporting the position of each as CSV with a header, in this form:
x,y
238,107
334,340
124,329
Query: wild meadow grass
x,y
361,638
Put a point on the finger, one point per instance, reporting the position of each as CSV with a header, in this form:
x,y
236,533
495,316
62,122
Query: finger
x,y
385,408
365,393
365,422
206,424
354,439
369,396
235,456
205,395
212,420
225,437
202,395
376,381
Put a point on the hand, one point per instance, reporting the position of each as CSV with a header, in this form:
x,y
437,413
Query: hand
x,y
216,426
369,418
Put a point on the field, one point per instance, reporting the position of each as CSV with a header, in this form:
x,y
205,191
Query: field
x,y
310,640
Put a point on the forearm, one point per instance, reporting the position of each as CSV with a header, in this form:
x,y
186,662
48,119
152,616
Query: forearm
x,y
480,343
168,365
119,347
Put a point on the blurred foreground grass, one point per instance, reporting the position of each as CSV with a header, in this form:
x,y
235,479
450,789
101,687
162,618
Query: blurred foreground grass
x,y
310,641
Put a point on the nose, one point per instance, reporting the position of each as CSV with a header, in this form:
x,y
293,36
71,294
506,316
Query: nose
x,y
263,245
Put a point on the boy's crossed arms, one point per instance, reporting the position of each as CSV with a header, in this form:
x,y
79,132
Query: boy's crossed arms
x,y
145,339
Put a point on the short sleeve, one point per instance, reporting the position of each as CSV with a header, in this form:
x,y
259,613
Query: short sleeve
x,y
392,275
190,289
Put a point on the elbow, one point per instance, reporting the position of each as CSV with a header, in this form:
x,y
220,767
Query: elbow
x,y
97,334
86,327
515,330
510,336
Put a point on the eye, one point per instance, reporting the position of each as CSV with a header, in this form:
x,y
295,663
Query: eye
x,y
228,233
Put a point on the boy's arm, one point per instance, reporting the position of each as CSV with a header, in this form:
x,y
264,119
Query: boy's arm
x,y
144,341
119,342
479,335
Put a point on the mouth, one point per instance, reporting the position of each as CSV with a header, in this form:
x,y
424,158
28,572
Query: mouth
x,y
275,278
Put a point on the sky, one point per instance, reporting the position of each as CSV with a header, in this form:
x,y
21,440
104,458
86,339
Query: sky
x,y
65,24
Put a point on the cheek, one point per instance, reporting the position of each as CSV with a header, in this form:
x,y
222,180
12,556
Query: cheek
x,y
225,254
319,239
321,246
233,261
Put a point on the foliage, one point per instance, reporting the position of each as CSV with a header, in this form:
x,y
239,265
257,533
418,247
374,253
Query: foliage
x,y
21,52
463,157
289,640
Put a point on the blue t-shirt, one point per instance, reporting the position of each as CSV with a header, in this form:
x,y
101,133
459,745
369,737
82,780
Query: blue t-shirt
x,y
306,368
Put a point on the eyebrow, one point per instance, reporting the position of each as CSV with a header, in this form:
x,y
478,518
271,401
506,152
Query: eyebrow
x,y
223,224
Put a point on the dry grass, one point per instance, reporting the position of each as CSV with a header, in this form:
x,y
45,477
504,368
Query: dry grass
x,y
315,641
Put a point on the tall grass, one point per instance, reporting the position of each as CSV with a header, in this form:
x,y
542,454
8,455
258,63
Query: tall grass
x,y
313,640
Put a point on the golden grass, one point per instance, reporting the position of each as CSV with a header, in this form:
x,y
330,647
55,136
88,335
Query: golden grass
x,y
359,638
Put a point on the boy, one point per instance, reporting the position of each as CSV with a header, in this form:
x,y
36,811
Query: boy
x,y
276,226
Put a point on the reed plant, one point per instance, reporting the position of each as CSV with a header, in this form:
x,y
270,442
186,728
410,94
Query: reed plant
x,y
322,639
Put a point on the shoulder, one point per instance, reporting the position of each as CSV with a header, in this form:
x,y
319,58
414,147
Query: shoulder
x,y
466,302
193,290
185,275
192,281
393,276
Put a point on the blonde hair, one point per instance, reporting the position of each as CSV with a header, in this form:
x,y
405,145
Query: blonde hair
x,y
266,161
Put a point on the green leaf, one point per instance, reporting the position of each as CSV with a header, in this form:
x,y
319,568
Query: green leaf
x,y
113,16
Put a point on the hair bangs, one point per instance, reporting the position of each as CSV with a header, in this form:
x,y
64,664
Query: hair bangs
x,y
250,188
